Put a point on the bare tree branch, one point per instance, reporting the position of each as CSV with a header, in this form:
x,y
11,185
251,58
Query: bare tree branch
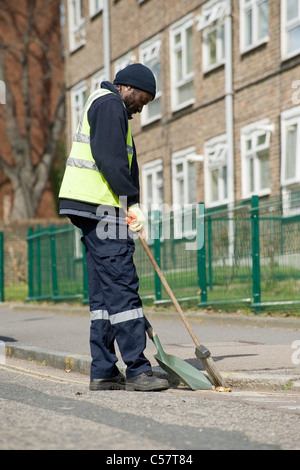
x,y
34,114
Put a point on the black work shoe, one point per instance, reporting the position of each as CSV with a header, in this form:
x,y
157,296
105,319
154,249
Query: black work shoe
x,y
114,383
146,382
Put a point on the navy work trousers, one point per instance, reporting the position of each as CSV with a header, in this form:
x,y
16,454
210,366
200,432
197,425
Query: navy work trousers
x,y
115,305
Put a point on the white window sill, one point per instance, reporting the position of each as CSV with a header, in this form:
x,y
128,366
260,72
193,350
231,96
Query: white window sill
x,y
96,13
215,204
183,105
77,47
254,46
261,193
145,122
290,55
213,67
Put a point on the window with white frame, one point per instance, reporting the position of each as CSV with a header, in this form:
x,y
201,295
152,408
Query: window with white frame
x,y
255,150
95,7
97,79
290,201
184,192
125,60
182,63
76,24
216,171
211,23
153,183
78,100
150,55
184,177
290,35
254,23
290,161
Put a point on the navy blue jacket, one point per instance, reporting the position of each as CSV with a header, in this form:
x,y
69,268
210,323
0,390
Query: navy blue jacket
x,y
108,119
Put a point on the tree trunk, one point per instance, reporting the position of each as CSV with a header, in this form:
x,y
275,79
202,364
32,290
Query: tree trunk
x,y
23,206
33,117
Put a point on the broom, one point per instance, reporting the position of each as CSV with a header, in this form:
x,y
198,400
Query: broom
x,y
201,351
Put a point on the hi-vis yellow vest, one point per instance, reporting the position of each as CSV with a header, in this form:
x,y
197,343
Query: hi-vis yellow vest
x,y
82,180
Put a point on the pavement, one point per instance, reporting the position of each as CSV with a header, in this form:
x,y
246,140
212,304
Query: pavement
x,y
255,352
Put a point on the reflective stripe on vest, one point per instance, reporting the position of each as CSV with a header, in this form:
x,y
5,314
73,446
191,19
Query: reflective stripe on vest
x,y
89,186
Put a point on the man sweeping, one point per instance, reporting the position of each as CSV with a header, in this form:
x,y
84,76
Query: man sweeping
x,y
100,183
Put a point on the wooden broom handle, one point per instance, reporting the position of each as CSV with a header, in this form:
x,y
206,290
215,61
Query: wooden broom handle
x,y
168,289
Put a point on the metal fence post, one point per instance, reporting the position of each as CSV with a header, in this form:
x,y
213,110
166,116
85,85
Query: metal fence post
x,y
39,262
156,224
30,262
53,262
201,256
255,252
210,253
2,298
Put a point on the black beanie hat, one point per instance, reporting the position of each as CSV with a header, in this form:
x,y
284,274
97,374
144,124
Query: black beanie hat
x,y
138,76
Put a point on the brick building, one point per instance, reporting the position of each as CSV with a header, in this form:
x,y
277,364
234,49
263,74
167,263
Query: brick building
x,y
226,120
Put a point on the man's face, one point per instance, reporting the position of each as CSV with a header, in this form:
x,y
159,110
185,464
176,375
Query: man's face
x,y
134,99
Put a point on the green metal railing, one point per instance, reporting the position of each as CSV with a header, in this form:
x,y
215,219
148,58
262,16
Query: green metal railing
x,y
247,254
56,266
